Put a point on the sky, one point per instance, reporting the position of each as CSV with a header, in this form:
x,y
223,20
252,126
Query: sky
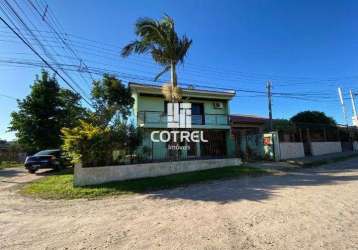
x,y
306,48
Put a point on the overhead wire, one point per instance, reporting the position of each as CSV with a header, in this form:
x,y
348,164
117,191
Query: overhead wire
x,y
38,55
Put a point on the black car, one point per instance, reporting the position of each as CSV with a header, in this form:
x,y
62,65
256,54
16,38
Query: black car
x,y
51,158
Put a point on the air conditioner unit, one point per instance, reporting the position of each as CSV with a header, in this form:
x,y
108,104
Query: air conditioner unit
x,y
218,105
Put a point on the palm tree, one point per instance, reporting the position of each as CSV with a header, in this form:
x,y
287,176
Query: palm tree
x,y
159,38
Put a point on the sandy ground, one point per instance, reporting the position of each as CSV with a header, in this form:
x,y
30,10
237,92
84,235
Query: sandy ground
x,y
308,209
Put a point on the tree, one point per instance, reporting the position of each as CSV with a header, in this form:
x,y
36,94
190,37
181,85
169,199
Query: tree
x,y
314,117
43,113
110,98
283,125
106,138
159,38
72,110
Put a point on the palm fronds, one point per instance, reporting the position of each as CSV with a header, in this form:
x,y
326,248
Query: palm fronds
x,y
159,38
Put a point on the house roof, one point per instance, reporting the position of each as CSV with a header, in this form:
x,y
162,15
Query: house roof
x,y
247,119
190,91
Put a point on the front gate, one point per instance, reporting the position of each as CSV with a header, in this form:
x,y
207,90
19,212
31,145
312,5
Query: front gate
x,y
258,146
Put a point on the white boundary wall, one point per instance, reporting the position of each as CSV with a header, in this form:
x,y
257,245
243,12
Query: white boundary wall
x,y
98,175
355,146
290,150
321,148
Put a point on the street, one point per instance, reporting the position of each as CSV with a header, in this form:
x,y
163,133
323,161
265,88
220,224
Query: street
x,y
306,209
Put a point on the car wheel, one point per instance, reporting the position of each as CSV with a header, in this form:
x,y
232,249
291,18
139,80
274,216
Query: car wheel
x,y
59,168
32,171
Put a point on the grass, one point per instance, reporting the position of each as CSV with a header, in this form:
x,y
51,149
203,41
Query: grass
x,y
10,164
60,185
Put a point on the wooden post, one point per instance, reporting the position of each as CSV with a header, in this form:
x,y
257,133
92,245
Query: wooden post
x,y
308,135
152,153
309,140
300,134
324,134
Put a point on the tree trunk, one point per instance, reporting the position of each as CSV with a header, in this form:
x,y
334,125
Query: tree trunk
x,y
173,78
173,74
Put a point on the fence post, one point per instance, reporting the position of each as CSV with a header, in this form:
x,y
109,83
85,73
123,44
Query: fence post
x,y
324,134
308,135
300,134
309,140
152,151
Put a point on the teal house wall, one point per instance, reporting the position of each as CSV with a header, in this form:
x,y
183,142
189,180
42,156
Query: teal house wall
x,y
149,114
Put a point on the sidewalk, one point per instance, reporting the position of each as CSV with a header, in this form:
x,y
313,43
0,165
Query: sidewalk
x,y
303,162
322,159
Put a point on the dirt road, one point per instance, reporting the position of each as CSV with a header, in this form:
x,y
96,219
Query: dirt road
x,y
308,209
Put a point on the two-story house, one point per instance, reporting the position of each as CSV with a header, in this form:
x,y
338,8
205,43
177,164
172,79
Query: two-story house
x,y
209,114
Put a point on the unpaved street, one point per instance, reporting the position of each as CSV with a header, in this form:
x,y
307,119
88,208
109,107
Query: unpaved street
x,y
308,209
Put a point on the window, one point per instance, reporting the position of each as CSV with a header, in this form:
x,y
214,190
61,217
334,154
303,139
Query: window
x,y
197,114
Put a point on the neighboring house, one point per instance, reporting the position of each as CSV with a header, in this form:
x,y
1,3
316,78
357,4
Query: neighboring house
x,y
10,151
242,125
248,131
209,113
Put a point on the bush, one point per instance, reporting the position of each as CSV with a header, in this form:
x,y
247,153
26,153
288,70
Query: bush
x,y
105,138
99,146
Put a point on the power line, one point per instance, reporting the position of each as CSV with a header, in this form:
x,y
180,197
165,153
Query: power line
x,y
256,77
40,44
61,36
42,59
134,77
192,80
74,82
63,40
9,97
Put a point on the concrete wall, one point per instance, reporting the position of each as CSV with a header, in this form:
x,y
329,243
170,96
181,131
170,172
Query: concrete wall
x,y
355,146
290,150
97,175
321,148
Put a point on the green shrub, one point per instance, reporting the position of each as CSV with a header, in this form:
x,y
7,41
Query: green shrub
x,y
99,146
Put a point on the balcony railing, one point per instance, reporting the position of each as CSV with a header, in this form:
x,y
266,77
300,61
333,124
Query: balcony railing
x,y
160,118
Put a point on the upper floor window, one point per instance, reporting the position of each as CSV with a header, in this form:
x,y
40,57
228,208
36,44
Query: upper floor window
x,y
197,113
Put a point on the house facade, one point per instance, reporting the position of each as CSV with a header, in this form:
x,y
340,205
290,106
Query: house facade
x,y
209,115
242,125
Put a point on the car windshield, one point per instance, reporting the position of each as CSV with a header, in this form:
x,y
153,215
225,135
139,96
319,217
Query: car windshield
x,y
47,152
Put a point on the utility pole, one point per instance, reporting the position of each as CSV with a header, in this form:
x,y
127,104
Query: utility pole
x,y
269,96
343,106
353,108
